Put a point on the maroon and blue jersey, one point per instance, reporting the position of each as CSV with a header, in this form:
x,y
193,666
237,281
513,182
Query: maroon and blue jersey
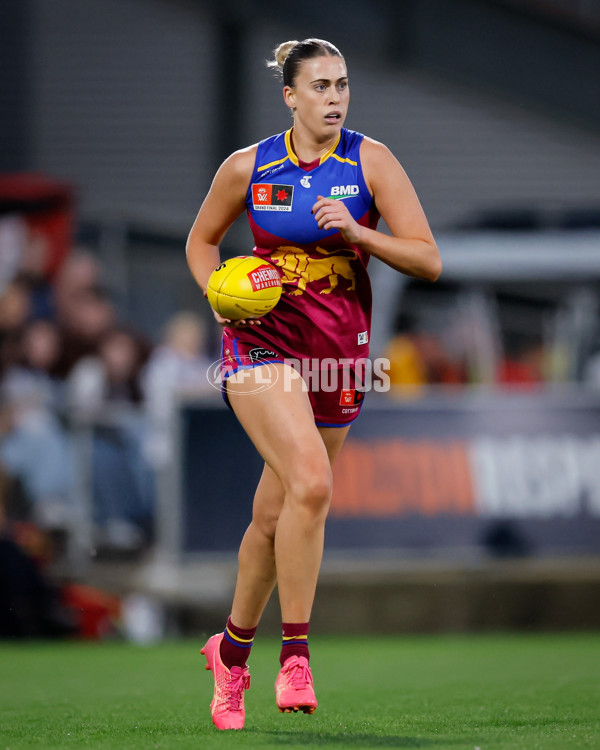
x,y
325,308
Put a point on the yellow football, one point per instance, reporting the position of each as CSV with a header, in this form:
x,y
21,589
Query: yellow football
x,y
244,287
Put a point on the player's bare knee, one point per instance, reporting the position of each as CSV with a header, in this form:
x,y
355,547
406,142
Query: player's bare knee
x,y
312,493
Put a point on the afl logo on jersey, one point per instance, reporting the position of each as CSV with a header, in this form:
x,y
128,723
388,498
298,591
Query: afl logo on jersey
x,y
267,197
305,181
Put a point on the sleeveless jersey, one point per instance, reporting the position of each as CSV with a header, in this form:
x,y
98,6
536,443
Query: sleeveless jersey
x,y
325,307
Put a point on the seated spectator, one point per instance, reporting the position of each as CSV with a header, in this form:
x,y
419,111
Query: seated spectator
x,y
93,317
522,363
30,602
15,310
33,270
105,391
110,378
82,308
35,447
418,358
178,365
79,274
13,239
407,367
32,381
442,368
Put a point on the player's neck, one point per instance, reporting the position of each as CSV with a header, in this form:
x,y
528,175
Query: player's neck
x,y
306,148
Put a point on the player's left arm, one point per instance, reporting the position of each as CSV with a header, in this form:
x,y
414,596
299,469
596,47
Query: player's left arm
x,y
411,247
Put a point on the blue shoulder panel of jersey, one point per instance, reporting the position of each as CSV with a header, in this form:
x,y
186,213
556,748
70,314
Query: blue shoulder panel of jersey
x,y
281,194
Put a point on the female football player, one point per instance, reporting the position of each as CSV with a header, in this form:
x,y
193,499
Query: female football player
x,y
313,195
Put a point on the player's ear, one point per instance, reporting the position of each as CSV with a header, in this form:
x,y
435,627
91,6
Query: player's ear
x,y
289,97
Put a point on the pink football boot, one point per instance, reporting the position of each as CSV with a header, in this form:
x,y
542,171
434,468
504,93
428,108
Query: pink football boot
x,y
227,706
294,686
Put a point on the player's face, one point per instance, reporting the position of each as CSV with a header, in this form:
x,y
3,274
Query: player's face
x,y
320,96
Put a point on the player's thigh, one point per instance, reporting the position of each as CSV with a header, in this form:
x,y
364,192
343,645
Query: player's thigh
x,y
333,438
279,420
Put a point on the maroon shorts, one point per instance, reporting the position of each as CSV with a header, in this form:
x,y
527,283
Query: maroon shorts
x,y
333,386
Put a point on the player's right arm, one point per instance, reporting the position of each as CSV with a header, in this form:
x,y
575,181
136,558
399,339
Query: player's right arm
x,y
225,201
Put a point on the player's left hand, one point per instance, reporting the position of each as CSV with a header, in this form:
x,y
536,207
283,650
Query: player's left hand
x,y
332,214
228,323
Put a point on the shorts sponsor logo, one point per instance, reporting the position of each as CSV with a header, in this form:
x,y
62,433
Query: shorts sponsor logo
x,y
258,354
350,396
270,197
264,277
363,337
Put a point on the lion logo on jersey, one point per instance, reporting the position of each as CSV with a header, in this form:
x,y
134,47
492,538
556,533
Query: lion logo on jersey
x,y
300,269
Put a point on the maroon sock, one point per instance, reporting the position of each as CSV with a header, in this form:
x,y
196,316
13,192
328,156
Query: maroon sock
x,y
295,640
236,645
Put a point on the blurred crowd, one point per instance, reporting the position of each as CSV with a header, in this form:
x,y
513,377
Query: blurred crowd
x,y
450,345
421,358
86,400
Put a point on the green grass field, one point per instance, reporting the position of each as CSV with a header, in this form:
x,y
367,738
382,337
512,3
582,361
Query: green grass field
x,y
488,692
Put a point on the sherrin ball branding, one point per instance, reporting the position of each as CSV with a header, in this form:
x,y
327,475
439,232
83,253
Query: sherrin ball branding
x,y
244,287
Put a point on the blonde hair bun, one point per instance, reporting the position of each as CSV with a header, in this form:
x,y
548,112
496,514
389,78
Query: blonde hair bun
x,y
289,56
280,54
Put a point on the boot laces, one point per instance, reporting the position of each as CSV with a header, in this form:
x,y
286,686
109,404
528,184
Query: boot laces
x,y
238,682
299,675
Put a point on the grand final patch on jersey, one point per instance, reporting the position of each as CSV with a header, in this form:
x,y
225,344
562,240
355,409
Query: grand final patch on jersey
x,y
266,197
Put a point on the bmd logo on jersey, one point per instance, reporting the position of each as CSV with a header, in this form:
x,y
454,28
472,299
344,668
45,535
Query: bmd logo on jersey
x,y
339,192
272,197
